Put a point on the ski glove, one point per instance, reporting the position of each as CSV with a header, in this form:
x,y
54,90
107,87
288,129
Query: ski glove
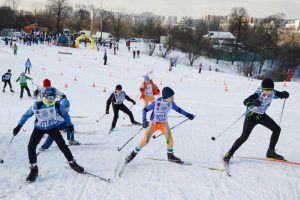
x,y
285,95
190,116
107,112
145,124
17,130
256,102
70,128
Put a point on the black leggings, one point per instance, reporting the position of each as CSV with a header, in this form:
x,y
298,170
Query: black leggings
x,y
22,91
54,133
250,123
5,83
123,108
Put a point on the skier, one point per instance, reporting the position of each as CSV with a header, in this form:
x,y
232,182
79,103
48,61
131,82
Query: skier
x,y
23,84
133,54
170,64
200,68
116,99
105,58
148,89
257,104
159,122
46,121
65,105
138,53
15,48
27,66
6,79
289,75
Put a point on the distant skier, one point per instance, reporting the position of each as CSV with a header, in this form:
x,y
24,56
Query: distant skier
x,y
170,64
289,75
46,113
148,89
23,84
65,105
27,66
116,99
159,122
15,48
134,53
200,68
6,79
257,104
105,58
138,53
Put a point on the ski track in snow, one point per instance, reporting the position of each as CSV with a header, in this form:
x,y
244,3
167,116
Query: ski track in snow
x,y
143,178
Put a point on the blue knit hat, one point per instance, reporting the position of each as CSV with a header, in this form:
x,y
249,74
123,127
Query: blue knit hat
x,y
167,92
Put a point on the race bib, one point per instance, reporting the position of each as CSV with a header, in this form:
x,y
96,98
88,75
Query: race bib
x,y
161,111
149,90
46,117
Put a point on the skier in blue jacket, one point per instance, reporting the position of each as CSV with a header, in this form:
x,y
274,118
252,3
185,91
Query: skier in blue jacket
x,y
46,113
65,105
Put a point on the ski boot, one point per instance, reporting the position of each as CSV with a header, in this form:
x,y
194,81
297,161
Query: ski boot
x,y
42,149
12,91
136,123
227,158
73,142
3,90
173,158
273,155
34,171
130,157
76,167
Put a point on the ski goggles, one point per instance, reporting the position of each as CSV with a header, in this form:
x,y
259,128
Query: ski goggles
x,y
50,97
268,89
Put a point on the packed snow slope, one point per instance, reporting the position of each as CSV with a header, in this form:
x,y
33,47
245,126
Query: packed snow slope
x,y
201,94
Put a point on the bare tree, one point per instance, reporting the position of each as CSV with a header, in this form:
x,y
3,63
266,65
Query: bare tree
x,y
58,8
238,23
170,43
82,17
116,20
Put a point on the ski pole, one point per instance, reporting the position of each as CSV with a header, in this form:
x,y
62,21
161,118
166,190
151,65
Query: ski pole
x,y
2,160
124,117
98,120
154,137
214,138
282,112
119,149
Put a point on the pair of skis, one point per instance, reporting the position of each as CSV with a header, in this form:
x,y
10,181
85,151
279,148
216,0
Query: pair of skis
x,y
227,168
122,169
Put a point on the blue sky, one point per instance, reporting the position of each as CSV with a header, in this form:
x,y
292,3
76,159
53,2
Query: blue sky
x,y
194,8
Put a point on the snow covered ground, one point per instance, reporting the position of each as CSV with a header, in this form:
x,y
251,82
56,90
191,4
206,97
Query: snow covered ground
x,y
201,94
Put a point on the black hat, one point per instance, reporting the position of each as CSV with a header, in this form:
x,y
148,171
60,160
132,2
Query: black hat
x,y
119,87
267,84
167,92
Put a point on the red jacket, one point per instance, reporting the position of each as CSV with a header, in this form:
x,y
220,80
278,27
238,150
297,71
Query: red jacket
x,y
144,86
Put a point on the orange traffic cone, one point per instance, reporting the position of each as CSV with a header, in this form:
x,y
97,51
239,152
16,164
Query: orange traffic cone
x,y
104,89
226,88
66,85
161,83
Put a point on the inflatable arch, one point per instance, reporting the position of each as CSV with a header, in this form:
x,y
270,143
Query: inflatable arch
x,y
85,37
